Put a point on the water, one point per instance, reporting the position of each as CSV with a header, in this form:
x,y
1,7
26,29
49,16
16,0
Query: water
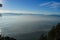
x,y
26,27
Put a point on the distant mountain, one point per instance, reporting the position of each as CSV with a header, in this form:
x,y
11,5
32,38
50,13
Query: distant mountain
x,y
11,14
18,14
54,15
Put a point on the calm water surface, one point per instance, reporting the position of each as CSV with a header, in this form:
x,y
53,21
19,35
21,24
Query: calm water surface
x,y
26,27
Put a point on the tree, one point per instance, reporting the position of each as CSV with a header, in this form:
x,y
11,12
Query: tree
x,y
58,31
0,5
53,34
6,38
43,37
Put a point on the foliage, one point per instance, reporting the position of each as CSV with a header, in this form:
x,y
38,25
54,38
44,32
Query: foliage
x,y
0,5
53,34
43,37
6,38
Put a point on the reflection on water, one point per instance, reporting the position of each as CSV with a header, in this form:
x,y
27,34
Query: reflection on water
x,y
1,25
0,31
26,27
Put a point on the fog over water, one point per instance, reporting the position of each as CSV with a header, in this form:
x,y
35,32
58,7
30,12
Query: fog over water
x,y
26,24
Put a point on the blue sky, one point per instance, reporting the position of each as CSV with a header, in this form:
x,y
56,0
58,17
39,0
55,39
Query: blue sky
x,y
31,6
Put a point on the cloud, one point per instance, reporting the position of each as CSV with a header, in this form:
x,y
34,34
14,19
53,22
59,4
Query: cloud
x,y
51,4
1,1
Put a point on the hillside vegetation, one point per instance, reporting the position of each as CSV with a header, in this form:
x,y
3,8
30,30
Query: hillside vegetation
x,y
53,34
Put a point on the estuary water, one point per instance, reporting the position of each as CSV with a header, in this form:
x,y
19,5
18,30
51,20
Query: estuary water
x,y
26,27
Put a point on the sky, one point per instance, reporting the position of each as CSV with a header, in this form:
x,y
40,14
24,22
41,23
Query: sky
x,y
31,6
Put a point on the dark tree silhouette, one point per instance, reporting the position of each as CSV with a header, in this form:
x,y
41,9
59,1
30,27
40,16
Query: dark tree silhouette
x,y
58,31
43,37
6,38
53,34
0,5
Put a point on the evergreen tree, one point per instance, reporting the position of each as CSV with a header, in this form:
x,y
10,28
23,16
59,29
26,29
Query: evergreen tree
x,y
6,38
43,37
53,34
